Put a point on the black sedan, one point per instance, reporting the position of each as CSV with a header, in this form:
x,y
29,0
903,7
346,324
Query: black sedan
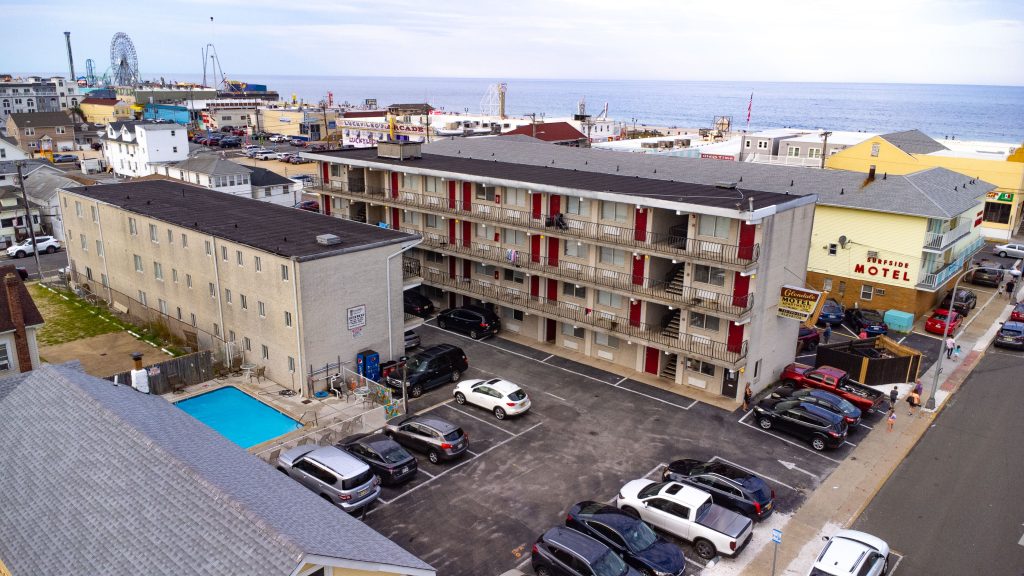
x,y
821,427
823,398
388,460
729,486
867,320
629,537
417,304
966,300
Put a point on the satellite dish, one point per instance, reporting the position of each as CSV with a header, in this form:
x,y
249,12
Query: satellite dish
x,y
842,241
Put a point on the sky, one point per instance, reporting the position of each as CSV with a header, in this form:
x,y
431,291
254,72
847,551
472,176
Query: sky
x,y
901,41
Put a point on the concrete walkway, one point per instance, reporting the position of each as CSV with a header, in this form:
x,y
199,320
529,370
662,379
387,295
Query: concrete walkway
x,y
850,488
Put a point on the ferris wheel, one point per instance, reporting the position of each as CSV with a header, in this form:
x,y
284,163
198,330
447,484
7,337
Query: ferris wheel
x,y
124,63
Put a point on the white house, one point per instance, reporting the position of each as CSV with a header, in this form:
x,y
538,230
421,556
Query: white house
x,y
142,148
226,176
19,320
12,216
9,149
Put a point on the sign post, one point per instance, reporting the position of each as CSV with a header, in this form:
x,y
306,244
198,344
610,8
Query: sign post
x,y
776,540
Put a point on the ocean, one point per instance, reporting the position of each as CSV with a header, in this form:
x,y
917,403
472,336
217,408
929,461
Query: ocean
x,y
994,113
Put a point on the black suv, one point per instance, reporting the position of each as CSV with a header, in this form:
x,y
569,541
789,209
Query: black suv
x,y
1011,335
388,460
431,368
566,552
965,301
822,428
629,537
729,486
417,304
868,320
473,320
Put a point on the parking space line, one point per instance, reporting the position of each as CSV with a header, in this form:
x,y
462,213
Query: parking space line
x,y
847,328
383,501
548,358
580,374
471,452
899,558
787,441
553,396
850,443
864,425
655,469
620,381
425,472
459,465
779,482
491,424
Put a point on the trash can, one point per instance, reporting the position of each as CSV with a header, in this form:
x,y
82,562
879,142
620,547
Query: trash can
x,y
899,321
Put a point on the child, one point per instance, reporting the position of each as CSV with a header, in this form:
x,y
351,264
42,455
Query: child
x,y
892,418
956,353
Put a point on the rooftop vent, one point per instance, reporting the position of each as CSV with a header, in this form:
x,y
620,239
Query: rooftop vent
x,y
328,239
399,149
725,184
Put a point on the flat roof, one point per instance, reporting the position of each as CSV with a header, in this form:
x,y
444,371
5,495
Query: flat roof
x,y
836,137
280,230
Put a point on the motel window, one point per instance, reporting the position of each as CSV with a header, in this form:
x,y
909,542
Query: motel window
x,y
793,151
431,184
570,330
613,211
284,272
570,289
609,299
612,256
430,220
709,275
514,276
484,192
517,237
700,366
575,249
138,262
577,206
826,284
703,321
833,249
513,314
606,340
409,181
514,197
434,257
762,145
814,152
5,358
336,170
717,226
866,292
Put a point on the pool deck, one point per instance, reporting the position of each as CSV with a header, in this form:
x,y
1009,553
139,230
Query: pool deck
x,y
324,420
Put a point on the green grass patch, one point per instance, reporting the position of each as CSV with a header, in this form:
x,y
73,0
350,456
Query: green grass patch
x,y
69,318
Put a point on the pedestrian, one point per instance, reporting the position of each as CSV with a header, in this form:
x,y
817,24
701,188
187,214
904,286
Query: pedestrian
x,y
863,335
747,395
894,395
950,345
1010,285
914,400
827,334
956,353
891,421
918,388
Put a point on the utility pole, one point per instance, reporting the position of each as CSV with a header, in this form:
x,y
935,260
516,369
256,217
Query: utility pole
x,y
325,120
405,383
825,134
28,219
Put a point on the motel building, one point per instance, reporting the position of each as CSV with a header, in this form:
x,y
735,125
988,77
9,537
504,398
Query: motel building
x,y
664,266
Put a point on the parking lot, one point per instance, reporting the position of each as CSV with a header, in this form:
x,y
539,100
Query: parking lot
x,y
587,433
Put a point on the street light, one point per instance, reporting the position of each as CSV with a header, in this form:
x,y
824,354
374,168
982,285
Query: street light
x,y
930,404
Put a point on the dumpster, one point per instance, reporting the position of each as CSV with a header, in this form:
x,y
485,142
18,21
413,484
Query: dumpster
x,y
899,321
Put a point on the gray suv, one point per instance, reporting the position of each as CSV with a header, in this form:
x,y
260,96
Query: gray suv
x,y
334,474
439,439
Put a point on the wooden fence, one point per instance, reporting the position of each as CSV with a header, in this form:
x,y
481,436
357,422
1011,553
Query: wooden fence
x,y
176,373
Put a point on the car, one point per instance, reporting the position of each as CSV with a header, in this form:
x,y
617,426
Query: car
x,y
966,300
436,437
820,427
248,147
283,156
304,178
936,324
47,244
388,460
476,321
500,397
730,486
227,129
412,339
297,143
59,158
563,551
986,277
257,151
231,142
417,304
867,320
832,312
1017,314
834,380
296,159
852,553
687,513
808,338
318,148
279,138
311,205
1011,250
627,536
265,155
1010,335
431,368
823,398
337,476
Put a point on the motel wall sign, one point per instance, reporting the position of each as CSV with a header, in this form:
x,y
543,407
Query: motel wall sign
x,y
884,268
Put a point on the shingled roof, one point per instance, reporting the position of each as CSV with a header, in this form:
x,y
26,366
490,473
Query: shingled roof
x,y
28,307
913,142
41,119
101,479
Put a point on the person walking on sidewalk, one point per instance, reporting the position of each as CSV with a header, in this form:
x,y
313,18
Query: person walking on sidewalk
x,y
827,334
950,345
1010,285
894,395
956,353
914,400
918,388
747,395
891,420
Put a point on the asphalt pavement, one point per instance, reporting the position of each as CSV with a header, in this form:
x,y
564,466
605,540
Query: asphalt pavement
x,y
953,506
49,262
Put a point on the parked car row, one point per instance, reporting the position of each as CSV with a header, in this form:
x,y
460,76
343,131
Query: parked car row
x,y
1011,332
47,244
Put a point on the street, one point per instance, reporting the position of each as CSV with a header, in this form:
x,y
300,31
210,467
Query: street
x,y
49,262
953,506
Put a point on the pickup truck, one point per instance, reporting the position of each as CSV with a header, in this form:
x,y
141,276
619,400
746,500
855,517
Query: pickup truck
x,y
688,513
833,380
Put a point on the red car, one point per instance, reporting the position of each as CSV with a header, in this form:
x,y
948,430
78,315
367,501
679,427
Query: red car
x,y
937,323
1018,312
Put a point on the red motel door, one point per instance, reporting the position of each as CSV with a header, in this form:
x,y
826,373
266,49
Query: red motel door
x,y
638,269
651,358
553,245
467,195
746,248
740,289
735,342
640,231
535,248
634,313
451,194
394,184
467,233
537,200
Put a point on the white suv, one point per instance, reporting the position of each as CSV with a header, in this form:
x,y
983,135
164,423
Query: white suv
x,y
852,553
47,244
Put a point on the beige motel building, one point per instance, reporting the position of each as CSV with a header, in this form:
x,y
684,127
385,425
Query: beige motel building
x,y
288,288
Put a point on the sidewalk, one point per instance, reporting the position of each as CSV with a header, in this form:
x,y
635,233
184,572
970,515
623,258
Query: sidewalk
x,y
844,494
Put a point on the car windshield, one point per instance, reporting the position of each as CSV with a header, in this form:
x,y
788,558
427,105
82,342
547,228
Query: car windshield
x,y
453,435
394,454
938,316
651,489
414,364
1012,332
639,536
609,565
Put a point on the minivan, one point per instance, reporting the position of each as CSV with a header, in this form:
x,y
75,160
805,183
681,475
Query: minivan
x,y
431,368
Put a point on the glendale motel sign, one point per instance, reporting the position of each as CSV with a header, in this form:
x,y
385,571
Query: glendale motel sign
x,y
798,303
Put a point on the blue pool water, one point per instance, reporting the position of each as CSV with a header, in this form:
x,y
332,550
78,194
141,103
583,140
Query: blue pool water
x,y
237,416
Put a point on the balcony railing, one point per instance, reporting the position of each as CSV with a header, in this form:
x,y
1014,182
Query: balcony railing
x,y
932,280
670,245
630,285
938,242
689,344
410,268
784,160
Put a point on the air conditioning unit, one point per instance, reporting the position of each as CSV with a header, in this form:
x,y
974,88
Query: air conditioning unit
x,y
328,239
872,254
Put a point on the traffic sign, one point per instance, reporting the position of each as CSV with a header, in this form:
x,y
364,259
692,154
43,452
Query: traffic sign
x,y
777,536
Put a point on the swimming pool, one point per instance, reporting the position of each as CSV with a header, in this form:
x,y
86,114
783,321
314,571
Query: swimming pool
x,y
237,416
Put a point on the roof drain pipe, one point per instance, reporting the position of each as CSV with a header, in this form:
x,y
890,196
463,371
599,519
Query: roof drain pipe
x,y
391,338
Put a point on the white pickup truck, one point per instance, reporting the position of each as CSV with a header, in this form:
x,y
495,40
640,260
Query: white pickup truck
x,y
687,513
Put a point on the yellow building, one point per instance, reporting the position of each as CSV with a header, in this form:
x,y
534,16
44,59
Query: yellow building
x,y
105,110
895,242
911,151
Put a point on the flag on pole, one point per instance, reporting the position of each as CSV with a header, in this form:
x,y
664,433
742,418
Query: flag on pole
x,y
750,105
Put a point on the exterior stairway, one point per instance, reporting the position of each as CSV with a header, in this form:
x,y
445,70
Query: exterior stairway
x,y
671,329
668,368
360,215
675,280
